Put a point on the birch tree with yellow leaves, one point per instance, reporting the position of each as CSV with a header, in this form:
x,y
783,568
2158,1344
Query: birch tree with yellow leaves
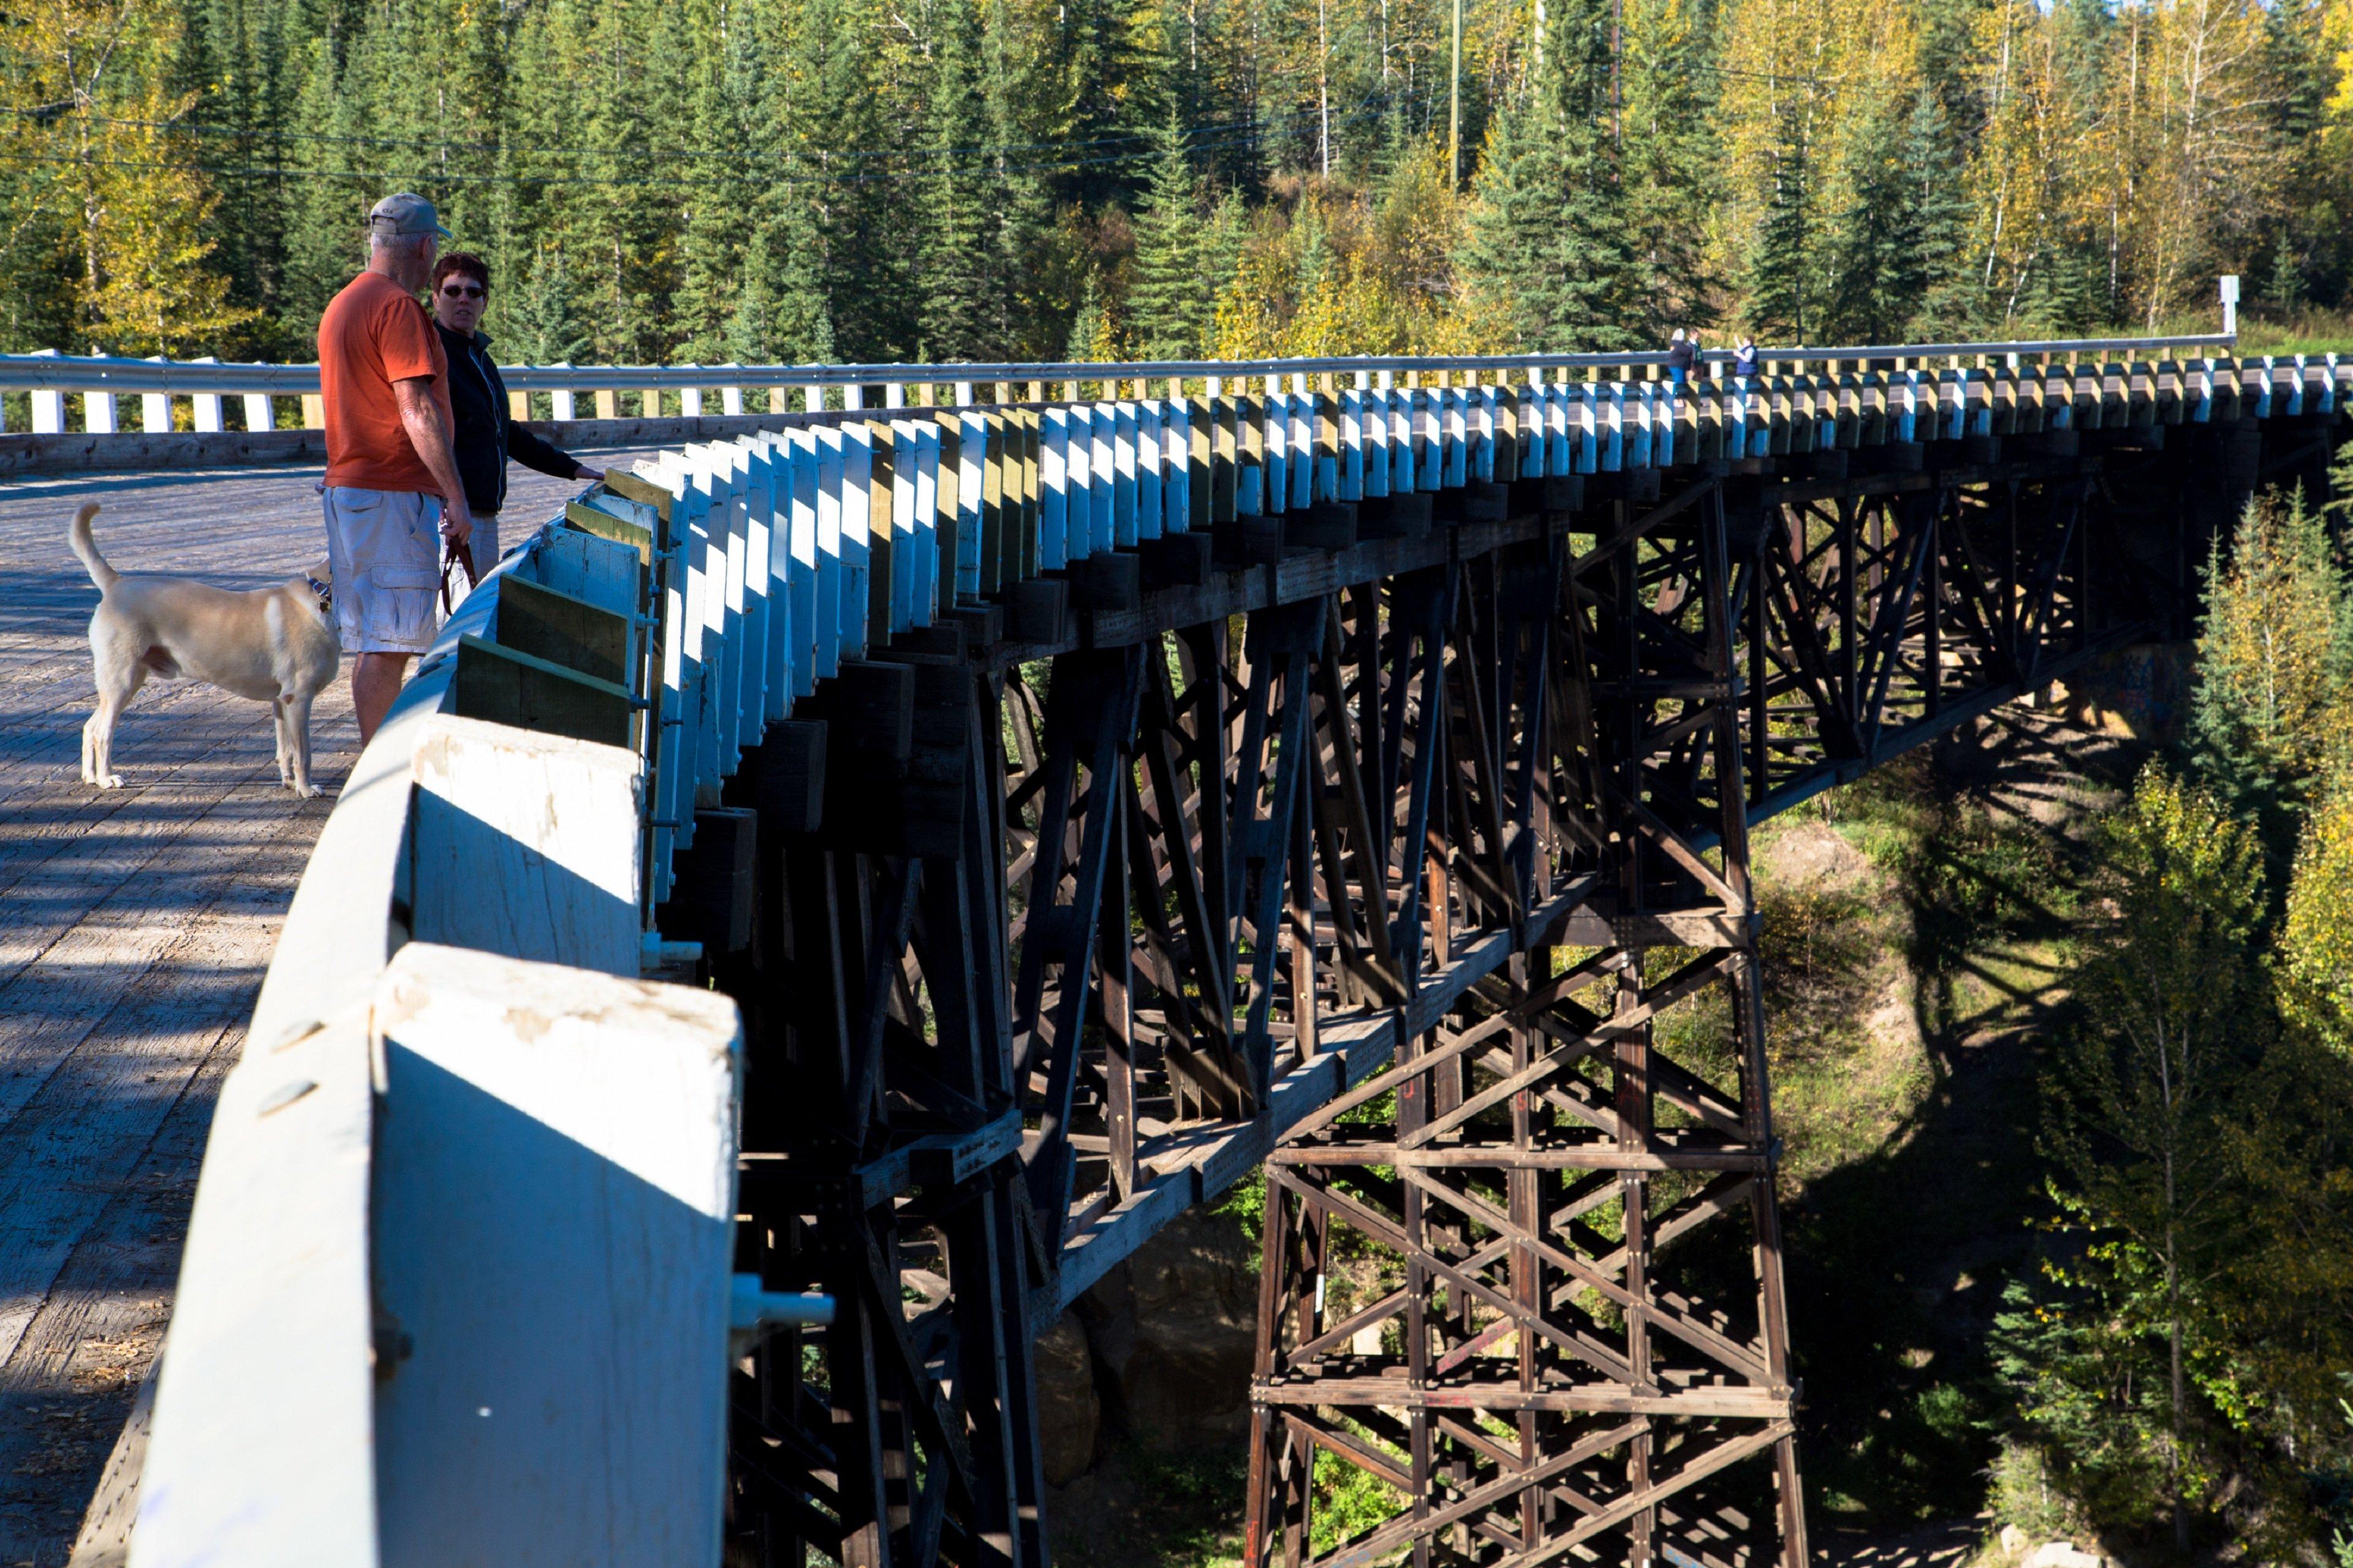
x,y
2036,154
105,201
2212,160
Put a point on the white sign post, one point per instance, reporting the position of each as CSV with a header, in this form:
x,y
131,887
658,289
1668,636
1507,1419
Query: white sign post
x,y
2231,304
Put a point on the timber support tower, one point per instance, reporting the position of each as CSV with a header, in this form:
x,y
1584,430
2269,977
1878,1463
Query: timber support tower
x,y
1396,843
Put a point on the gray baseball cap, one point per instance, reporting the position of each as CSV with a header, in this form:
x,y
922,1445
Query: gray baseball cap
x,y
404,213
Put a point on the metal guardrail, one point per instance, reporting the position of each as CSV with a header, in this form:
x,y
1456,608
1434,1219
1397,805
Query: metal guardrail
x,y
50,377
62,373
110,374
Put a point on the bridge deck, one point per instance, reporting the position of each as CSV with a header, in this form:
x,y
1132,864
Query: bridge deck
x,y
134,927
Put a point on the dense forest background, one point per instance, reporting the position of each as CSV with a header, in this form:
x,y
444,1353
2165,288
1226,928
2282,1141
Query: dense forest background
x,y
873,180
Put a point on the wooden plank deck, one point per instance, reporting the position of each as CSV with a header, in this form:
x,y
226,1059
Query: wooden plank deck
x,y
134,927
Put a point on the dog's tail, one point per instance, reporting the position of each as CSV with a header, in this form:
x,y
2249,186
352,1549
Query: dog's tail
x,y
86,548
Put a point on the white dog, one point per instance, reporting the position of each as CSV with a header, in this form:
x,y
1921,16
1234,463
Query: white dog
x,y
273,645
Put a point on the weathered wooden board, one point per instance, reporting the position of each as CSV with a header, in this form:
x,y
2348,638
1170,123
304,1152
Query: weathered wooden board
x,y
552,1231
527,844
263,1447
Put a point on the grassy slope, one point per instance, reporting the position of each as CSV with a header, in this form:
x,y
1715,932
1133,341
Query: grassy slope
x,y
2305,332
1916,931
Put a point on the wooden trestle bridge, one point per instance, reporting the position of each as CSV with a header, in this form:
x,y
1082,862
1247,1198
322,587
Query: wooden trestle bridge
x,y
1342,768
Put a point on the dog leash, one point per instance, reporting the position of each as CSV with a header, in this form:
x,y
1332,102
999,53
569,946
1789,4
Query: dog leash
x,y
457,561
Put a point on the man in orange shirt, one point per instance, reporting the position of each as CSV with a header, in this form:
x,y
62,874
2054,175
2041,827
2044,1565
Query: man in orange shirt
x,y
392,475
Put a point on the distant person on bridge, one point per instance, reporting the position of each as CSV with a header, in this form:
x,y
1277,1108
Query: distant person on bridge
x,y
487,435
392,473
1681,352
1744,359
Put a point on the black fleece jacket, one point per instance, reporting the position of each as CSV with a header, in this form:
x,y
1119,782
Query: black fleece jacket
x,y
487,435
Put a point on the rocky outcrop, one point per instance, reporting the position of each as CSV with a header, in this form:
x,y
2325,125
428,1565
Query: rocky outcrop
x,y
1158,1354
1070,1412
1172,1335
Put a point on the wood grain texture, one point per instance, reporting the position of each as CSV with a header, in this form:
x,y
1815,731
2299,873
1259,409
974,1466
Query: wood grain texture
x,y
551,1227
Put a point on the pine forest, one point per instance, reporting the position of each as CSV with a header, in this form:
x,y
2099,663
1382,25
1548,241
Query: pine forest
x,y
848,180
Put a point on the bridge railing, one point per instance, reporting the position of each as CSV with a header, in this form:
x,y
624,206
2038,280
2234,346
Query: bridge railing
x,y
468,1202
396,1200
287,396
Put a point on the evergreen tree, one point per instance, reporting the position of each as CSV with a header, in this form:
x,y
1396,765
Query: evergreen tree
x,y
2340,489
326,243
1875,271
1549,232
779,313
2275,667
1093,336
723,197
1672,155
1019,87
1168,302
2065,295
858,215
541,326
1940,212
1892,256
1783,266
237,59
2141,1139
959,315
621,244
2297,64
801,326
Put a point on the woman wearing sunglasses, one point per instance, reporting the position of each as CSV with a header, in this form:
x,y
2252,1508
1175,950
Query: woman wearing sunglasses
x,y
487,435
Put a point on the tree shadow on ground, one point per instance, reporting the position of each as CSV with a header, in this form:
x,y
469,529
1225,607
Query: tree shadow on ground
x,y
1896,1260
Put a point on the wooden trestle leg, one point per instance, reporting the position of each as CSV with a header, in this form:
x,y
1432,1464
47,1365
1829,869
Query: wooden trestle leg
x,y
1498,1273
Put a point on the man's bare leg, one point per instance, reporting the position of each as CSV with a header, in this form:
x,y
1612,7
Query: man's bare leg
x,y
376,681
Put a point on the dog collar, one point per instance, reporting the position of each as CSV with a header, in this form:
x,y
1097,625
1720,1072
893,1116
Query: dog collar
x,y
324,594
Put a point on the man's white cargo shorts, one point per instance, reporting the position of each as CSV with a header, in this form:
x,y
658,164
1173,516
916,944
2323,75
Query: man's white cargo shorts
x,y
385,549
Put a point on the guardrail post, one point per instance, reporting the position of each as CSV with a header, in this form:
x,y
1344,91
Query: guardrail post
x,y
48,405
208,403
155,407
258,414
98,413
553,1236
